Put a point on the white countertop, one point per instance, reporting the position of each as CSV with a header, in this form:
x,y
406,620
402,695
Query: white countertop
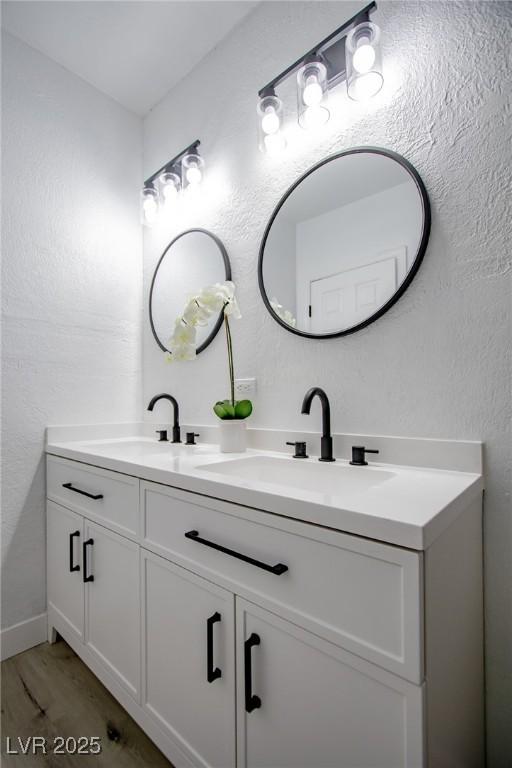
x,y
406,506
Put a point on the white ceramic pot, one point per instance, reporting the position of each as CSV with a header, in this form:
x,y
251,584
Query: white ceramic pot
x,y
233,435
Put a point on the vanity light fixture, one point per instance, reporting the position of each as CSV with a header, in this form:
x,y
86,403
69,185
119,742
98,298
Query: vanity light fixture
x,y
270,120
350,53
149,204
364,61
163,187
192,168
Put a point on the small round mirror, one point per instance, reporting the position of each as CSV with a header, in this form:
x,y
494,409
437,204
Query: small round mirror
x,y
193,260
344,243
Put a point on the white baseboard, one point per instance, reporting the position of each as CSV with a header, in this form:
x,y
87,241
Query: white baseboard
x,y
20,637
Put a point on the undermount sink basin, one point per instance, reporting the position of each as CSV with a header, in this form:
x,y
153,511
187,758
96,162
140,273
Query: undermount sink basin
x,y
134,449
327,478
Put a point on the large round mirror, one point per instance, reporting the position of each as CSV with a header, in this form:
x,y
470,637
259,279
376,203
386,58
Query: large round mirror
x,y
344,243
193,260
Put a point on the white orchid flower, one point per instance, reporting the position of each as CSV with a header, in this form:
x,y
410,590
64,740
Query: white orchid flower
x,y
200,307
195,313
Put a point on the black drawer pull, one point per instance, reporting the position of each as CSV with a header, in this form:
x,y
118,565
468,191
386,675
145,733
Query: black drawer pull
x,y
94,496
86,544
212,673
251,701
72,566
278,569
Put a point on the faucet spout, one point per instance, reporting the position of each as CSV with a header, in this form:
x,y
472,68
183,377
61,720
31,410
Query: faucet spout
x,y
326,440
176,436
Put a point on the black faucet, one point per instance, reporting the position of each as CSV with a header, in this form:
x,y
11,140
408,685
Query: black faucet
x,y
326,441
176,437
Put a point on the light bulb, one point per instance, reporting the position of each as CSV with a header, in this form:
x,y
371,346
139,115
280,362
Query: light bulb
x,y
150,210
170,193
270,122
169,186
192,167
364,57
314,117
313,93
275,143
366,86
364,61
270,119
194,175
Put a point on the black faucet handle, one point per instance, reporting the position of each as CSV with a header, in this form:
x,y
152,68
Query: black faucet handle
x,y
190,438
300,450
358,455
162,435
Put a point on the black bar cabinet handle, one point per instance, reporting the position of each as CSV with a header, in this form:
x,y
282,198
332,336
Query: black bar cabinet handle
x,y
278,569
212,673
251,701
86,544
72,566
94,496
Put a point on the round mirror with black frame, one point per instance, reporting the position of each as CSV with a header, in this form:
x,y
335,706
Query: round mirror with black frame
x,y
344,243
194,259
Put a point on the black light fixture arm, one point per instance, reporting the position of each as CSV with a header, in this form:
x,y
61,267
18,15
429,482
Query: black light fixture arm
x,y
328,49
172,163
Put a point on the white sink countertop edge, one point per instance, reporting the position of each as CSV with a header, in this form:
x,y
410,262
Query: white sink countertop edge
x,y
410,510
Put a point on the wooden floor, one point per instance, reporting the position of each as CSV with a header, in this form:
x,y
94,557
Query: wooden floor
x,y
48,691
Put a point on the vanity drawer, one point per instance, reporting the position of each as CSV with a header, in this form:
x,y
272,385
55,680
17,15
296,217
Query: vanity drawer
x,y
109,498
360,594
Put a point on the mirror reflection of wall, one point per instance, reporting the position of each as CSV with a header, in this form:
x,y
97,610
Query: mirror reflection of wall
x,y
343,242
193,260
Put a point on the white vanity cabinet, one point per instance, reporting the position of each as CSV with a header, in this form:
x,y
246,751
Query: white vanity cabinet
x,y
318,706
112,604
92,571
243,639
189,660
65,587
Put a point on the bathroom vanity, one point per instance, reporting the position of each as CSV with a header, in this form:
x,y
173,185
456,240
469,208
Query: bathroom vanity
x,y
262,612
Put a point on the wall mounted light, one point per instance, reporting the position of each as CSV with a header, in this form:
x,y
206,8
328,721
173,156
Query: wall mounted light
x,y
192,167
164,186
350,53
149,205
270,120
312,110
364,62
170,185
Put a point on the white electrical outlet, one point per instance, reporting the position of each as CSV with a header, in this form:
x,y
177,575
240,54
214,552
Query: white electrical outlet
x,y
245,388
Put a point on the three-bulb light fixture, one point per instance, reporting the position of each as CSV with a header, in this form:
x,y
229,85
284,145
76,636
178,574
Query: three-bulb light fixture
x,y
350,53
161,189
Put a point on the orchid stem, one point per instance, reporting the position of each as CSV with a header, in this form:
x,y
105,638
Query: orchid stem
x,y
230,359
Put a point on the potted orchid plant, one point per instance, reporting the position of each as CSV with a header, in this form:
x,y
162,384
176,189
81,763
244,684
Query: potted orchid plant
x,y
199,309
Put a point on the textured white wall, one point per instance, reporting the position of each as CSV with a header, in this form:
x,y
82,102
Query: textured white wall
x,y
437,364
72,285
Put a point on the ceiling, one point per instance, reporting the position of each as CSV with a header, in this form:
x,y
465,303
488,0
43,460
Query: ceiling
x,y
133,51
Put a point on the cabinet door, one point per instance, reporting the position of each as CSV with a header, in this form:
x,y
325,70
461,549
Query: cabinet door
x,y
112,603
305,703
189,658
64,532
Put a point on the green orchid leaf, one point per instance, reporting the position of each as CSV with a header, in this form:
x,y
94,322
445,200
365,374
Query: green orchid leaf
x,y
224,409
220,410
243,409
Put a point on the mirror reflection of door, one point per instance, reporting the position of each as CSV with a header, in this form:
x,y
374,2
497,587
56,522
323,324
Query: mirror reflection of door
x,y
349,297
343,241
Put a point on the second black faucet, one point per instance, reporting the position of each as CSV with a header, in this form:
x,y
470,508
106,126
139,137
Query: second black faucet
x,y
326,440
176,432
